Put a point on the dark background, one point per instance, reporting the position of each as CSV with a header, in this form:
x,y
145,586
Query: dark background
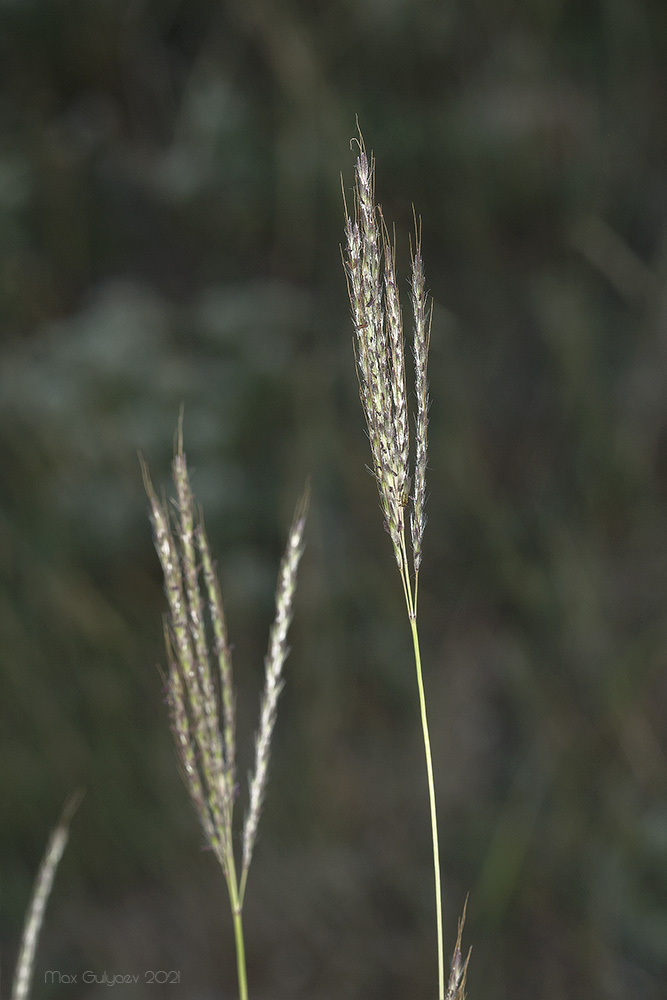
x,y
170,221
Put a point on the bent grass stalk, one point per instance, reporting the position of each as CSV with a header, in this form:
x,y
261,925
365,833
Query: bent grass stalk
x,y
369,261
200,692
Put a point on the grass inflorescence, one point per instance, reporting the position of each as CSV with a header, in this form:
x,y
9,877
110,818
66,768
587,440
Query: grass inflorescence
x,y
369,259
200,692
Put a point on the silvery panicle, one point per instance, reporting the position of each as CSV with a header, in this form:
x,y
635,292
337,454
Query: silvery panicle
x,y
200,692
370,267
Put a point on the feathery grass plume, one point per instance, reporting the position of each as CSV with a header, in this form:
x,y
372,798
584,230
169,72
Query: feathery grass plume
x,y
200,691
43,884
369,261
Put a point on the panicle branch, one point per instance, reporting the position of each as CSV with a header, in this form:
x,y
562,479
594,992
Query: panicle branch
x,y
275,661
193,693
422,335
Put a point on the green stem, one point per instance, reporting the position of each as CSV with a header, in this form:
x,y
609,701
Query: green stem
x,y
431,796
237,908
240,955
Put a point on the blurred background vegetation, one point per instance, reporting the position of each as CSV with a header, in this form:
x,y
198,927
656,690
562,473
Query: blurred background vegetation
x,y
170,221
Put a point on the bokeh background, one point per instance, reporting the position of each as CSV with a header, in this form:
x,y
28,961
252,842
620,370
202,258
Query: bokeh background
x,y
170,222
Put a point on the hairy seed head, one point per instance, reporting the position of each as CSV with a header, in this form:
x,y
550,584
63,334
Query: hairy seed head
x,y
378,326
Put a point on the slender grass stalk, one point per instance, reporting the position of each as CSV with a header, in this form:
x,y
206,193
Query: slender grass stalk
x,y
200,691
369,261
431,798
42,890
